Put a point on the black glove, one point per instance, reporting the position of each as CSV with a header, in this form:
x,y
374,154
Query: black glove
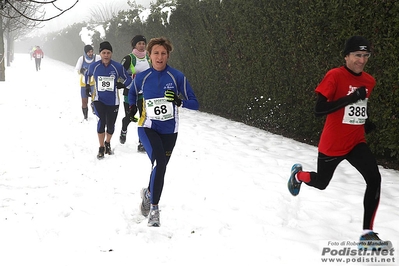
x,y
172,97
82,71
369,126
359,94
132,113
120,85
88,90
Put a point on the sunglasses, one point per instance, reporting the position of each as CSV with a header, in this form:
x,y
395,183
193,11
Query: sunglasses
x,y
361,55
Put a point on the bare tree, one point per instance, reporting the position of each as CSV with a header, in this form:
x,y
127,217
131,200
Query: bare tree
x,y
22,8
19,16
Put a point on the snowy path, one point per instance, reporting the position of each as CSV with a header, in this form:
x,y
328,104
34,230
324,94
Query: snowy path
x,y
225,200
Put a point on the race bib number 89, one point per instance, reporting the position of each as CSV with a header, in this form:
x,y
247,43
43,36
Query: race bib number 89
x,y
105,83
159,109
356,113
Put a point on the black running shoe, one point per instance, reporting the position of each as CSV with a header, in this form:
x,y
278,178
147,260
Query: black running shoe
x,y
122,137
100,154
108,149
140,147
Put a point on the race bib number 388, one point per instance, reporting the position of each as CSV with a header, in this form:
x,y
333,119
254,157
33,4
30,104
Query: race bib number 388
x,y
159,109
356,113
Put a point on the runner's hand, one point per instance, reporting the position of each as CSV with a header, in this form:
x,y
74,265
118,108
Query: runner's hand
x,y
369,126
172,97
88,90
120,85
359,94
132,113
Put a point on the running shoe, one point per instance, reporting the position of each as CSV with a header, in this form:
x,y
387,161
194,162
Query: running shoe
x,y
122,137
153,219
145,203
100,154
108,149
293,184
371,241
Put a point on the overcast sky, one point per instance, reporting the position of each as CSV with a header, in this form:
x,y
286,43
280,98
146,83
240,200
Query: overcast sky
x,y
80,12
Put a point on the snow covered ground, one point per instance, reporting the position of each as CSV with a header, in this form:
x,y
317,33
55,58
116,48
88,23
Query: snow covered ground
x,y
225,200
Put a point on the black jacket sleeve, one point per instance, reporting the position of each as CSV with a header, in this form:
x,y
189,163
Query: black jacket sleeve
x,y
323,107
126,62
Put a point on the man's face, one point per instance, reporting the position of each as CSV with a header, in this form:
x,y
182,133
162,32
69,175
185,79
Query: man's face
x,y
356,61
106,56
90,54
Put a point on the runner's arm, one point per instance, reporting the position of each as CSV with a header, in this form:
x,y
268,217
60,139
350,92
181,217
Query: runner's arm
x,y
324,107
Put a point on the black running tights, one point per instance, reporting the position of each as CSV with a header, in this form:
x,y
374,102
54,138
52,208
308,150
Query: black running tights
x,y
363,160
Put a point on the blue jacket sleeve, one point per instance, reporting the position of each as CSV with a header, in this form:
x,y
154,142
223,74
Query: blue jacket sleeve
x,y
190,100
132,96
127,78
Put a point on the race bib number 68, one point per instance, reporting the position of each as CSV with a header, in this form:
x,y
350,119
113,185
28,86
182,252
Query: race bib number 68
x,y
159,109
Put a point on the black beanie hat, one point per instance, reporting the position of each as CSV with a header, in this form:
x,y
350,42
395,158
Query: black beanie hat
x,y
138,38
356,43
88,48
105,45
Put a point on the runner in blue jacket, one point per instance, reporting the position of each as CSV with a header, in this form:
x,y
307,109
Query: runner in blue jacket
x,y
109,76
164,89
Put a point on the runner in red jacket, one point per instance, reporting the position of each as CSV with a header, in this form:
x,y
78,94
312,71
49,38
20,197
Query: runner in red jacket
x,y
343,96
38,55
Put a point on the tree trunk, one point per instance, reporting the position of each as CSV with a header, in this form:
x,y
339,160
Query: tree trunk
x,y
10,48
2,55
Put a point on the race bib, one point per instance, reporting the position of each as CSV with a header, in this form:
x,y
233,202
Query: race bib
x,y
159,109
105,83
356,113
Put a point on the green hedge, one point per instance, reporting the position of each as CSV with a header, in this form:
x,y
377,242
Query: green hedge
x,y
259,61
